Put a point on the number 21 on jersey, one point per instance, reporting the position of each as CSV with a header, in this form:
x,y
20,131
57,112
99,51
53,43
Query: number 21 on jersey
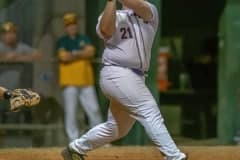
x,y
126,33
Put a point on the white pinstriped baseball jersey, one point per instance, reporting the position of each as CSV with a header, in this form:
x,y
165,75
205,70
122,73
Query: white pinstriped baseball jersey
x,y
130,46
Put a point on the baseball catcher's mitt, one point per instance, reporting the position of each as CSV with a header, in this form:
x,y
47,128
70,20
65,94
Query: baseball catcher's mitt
x,y
20,98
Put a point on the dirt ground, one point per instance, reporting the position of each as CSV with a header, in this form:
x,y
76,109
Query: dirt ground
x,y
124,153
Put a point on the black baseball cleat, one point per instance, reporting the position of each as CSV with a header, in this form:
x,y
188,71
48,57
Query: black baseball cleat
x,y
68,154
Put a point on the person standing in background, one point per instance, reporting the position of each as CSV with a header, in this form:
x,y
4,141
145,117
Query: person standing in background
x,y
13,50
75,52
14,56
16,60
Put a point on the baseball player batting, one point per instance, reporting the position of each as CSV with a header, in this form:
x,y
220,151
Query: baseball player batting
x,y
128,35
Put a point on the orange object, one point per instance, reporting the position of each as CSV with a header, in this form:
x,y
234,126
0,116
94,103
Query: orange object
x,y
163,85
162,70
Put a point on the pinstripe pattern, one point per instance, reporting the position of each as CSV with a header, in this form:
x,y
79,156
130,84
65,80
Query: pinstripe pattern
x,y
145,53
135,35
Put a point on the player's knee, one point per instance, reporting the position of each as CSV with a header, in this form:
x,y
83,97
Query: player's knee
x,y
116,132
113,129
151,113
151,108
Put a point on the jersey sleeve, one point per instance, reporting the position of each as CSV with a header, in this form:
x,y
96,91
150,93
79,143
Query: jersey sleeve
x,y
60,47
155,15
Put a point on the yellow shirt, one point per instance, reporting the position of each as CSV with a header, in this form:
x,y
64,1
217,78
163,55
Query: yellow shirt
x,y
77,73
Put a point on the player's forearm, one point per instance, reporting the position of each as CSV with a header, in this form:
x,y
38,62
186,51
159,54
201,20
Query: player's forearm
x,y
108,20
19,57
28,57
2,92
87,53
7,57
139,7
15,58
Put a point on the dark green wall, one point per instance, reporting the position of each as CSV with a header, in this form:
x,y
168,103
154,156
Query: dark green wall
x,y
5,3
229,73
194,21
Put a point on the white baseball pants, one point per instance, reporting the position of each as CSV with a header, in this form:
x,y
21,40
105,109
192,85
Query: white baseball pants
x,y
130,100
88,99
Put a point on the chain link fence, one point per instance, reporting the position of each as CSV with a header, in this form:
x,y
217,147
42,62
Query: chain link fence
x,y
41,126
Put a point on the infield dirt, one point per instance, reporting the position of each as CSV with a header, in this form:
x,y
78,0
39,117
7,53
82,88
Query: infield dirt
x,y
124,153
